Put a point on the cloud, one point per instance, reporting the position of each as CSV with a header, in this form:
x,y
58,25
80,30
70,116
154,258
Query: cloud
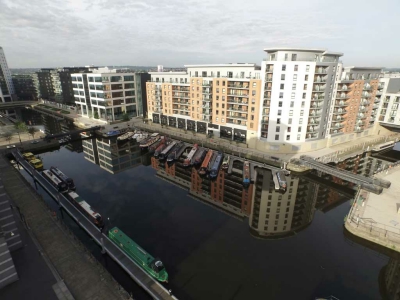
x,y
44,33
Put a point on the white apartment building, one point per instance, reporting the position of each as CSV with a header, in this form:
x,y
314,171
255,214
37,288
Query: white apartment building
x,y
220,99
7,92
298,90
389,95
107,94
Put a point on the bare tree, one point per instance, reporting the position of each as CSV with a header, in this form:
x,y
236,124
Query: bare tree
x,y
8,136
32,131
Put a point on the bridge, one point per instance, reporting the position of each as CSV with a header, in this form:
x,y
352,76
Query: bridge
x,y
16,104
70,133
150,285
371,184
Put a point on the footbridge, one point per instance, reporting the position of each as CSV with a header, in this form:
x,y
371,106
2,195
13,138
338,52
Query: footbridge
x,y
16,104
70,133
371,184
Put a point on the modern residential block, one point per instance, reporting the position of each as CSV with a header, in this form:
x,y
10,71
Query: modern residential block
x,y
7,92
108,94
388,95
25,88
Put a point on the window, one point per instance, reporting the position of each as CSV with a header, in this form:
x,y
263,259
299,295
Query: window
x,y
288,137
217,90
301,121
293,86
223,121
282,76
302,104
252,117
278,121
294,77
276,137
291,112
293,95
280,104
306,77
277,129
216,119
301,113
283,67
216,97
305,87
307,68
298,137
294,58
254,84
223,91
279,112
217,82
281,95
286,56
289,129
292,103
296,67
253,93
282,86
290,121
252,109
304,95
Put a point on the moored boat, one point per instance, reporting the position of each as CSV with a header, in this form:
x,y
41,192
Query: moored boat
x,y
246,173
36,163
152,266
82,205
64,178
164,153
153,147
55,181
215,166
140,136
174,154
28,156
188,160
199,156
204,166
149,141
125,136
225,162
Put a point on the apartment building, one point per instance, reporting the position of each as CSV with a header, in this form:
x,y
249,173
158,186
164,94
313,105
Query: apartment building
x,y
356,103
7,92
277,215
44,84
297,93
222,100
389,100
108,94
25,88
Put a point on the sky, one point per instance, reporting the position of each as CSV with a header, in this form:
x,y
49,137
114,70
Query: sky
x,y
61,33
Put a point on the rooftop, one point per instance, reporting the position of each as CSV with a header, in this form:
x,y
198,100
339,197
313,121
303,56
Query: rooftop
x,y
362,68
317,50
222,65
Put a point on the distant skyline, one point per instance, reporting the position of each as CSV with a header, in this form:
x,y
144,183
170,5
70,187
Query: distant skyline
x,y
172,33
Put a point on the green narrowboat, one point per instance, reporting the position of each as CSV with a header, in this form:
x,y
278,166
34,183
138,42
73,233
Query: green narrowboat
x,y
151,265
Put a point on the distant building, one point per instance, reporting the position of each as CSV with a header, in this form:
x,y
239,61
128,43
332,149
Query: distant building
x,y
389,101
44,84
7,91
25,87
107,94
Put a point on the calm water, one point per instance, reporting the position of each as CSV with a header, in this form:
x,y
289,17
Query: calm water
x,y
210,254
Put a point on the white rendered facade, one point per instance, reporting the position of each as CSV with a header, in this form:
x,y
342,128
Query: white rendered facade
x,y
298,89
389,93
107,96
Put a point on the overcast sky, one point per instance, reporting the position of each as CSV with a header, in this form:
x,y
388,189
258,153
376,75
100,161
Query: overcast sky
x,y
56,33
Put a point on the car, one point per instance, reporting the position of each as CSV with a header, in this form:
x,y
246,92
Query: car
x,y
34,142
10,146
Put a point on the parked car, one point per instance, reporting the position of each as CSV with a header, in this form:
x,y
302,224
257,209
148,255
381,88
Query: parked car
x,y
10,146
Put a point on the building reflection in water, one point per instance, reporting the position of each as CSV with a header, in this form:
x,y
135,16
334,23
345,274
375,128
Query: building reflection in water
x,y
112,155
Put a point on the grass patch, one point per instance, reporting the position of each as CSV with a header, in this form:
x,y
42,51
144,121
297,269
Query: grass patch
x,y
65,112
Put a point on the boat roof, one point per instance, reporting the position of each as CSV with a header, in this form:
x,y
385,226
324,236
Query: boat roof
x,y
36,160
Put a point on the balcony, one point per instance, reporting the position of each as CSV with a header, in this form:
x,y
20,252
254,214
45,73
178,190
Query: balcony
x,y
314,112
311,135
341,104
238,86
319,88
358,129
237,109
336,130
339,112
312,129
265,112
268,79
342,88
313,121
366,95
232,93
232,100
342,96
315,104
268,87
181,102
269,69
377,100
266,103
367,88
236,116
319,79
337,125
265,121
319,70
361,116
362,109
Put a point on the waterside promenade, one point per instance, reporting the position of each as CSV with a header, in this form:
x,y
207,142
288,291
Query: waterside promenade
x,y
80,271
376,218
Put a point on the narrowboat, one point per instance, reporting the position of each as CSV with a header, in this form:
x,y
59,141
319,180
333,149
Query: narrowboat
x,y
153,147
152,266
36,163
188,160
82,205
139,136
125,136
55,181
215,167
225,162
164,153
280,175
64,178
175,152
199,156
204,166
144,145
246,173
28,156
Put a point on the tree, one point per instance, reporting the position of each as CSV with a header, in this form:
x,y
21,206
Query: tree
x,y
20,127
96,114
32,131
125,117
8,136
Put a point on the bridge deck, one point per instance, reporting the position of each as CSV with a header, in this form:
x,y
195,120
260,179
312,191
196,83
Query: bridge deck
x,y
154,288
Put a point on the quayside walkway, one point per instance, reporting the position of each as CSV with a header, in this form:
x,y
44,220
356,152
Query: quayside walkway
x,y
84,278
151,286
